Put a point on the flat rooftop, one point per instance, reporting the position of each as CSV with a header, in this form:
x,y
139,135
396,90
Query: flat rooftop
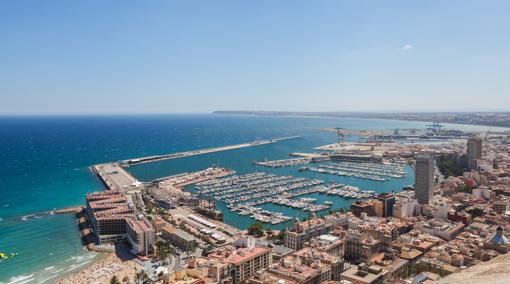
x,y
361,276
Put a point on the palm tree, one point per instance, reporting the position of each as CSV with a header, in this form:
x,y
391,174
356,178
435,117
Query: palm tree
x,y
114,280
142,278
269,234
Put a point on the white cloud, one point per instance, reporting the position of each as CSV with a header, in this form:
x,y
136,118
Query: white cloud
x,y
407,46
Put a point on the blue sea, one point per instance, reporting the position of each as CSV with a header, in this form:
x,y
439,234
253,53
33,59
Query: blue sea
x,y
44,164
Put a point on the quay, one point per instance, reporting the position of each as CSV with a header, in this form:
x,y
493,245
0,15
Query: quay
x,y
114,176
68,210
187,178
283,163
136,161
313,156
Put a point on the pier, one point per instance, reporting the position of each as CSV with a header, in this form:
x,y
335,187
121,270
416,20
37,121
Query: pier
x,y
184,179
283,163
364,170
136,161
288,195
114,176
68,210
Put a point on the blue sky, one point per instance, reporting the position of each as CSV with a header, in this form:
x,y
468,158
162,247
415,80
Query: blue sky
x,y
199,56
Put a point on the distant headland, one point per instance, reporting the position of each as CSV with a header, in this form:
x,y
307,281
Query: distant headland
x,y
498,119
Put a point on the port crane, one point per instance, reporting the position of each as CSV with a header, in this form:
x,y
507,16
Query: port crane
x,y
412,131
435,127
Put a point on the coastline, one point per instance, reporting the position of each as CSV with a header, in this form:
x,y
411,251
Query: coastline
x,y
104,264
80,179
102,269
96,259
401,119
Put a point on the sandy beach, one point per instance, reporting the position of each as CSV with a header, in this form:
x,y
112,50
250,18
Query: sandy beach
x,y
103,270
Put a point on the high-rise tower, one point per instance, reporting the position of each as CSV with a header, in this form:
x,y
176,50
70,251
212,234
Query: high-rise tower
x,y
474,152
424,178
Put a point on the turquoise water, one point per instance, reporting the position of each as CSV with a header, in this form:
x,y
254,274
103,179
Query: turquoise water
x,y
240,161
44,165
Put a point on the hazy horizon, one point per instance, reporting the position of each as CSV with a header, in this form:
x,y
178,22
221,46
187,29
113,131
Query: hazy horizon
x,y
244,110
111,57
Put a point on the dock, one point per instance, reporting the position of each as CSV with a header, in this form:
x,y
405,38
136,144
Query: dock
x,y
288,195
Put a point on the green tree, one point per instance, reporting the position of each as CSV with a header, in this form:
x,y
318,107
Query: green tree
x,y
449,165
256,229
476,212
207,250
281,235
114,280
467,189
163,250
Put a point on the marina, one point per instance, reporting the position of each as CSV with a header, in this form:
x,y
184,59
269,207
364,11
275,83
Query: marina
x,y
286,189
305,204
364,170
264,216
261,186
335,142
273,197
243,193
